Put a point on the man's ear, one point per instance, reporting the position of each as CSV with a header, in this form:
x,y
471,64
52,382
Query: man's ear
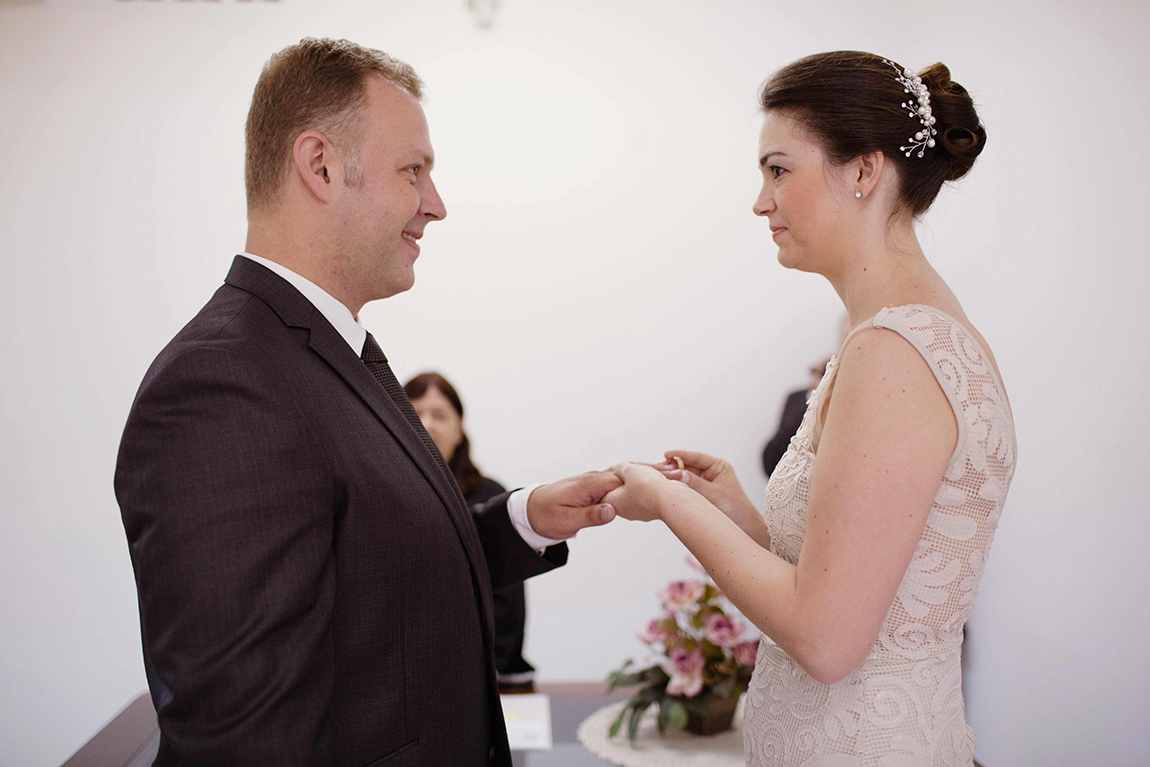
x,y
316,165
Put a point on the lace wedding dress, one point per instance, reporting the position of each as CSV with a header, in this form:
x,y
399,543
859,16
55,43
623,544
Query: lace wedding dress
x,y
903,707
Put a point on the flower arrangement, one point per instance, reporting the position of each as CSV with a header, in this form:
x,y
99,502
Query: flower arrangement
x,y
705,664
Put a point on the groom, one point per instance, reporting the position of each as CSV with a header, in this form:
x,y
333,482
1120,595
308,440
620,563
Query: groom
x,y
313,589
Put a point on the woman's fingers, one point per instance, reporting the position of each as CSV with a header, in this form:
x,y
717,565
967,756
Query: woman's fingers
x,y
684,476
691,459
632,472
672,470
706,466
656,466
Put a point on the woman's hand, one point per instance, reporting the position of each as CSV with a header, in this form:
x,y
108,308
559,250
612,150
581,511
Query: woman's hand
x,y
714,479
645,494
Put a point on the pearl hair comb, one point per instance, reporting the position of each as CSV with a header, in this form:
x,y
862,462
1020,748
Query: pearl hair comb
x,y
912,84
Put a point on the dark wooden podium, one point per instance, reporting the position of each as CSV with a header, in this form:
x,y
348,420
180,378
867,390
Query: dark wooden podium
x,y
129,740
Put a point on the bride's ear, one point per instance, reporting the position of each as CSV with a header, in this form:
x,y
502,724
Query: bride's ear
x,y
866,172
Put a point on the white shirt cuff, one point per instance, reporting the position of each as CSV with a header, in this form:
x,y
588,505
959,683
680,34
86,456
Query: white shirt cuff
x,y
517,509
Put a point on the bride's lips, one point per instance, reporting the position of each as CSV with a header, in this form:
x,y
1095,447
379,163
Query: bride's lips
x,y
777,230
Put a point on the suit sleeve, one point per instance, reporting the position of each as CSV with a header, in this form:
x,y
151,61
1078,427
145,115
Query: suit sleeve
x,y
509,558
228,509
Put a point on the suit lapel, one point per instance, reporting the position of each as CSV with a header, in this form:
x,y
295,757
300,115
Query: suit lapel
x,y
331,346
296,311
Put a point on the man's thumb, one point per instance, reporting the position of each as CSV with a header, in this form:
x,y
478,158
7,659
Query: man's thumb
x,y
600,514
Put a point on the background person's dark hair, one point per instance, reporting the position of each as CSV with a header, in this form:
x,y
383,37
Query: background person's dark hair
x,y
466,475
850,102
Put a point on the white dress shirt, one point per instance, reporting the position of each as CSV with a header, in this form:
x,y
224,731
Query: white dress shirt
x,y
347,325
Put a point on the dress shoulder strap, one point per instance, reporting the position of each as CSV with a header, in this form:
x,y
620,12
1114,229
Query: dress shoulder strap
x,y
940,340
933,334
824,391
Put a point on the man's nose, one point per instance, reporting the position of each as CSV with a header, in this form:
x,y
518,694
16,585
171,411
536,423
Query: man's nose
x,y
431,204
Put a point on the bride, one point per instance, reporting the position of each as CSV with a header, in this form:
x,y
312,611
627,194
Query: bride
x,y
879,518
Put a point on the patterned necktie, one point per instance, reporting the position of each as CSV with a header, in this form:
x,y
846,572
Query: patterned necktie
x,y
376,362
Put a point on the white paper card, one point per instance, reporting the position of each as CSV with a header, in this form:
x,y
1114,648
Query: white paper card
x,y
528,719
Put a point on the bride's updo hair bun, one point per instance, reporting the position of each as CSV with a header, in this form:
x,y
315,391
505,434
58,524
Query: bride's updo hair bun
x,y
850,102
960,132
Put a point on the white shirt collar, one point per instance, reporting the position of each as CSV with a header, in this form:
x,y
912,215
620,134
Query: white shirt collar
x,y
330,307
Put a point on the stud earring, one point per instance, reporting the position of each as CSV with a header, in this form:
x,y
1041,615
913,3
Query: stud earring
x,y
858,194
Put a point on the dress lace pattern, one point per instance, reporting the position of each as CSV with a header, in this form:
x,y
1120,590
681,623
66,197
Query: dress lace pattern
x,y
903,707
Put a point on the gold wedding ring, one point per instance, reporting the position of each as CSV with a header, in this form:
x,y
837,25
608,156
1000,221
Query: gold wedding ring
x,y
678,460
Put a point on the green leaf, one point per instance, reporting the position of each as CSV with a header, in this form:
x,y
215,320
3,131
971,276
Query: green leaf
x,y
677,714
622,679
666,708
639,703
618,679
646,696
633,724
613,730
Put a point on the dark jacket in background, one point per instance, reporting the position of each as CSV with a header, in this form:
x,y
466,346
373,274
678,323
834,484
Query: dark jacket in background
x,y
510,608
793,410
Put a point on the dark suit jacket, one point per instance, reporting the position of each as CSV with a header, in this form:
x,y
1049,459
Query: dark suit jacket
x,y
313,589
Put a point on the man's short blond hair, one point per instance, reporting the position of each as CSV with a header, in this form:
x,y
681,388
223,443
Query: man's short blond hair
x,y
317,84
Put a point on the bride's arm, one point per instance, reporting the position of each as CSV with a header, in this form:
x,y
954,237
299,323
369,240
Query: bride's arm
x,y
888,436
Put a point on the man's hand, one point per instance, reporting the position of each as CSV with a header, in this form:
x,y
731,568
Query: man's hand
x,y
560,509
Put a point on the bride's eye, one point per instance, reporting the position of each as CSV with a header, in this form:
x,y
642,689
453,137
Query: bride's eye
x,y
776,171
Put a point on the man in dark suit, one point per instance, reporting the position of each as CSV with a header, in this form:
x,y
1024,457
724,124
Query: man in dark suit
x,y
313,589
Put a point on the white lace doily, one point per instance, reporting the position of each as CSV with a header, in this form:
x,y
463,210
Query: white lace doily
x,y
675,749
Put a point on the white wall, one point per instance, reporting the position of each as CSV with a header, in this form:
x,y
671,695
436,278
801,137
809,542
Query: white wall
x,y
599,291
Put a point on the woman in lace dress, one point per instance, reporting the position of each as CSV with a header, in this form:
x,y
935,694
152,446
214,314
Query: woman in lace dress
x,y
879,518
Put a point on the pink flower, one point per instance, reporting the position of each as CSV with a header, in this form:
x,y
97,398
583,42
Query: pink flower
x,y
656,631
745,652
722,631
685,667
682,595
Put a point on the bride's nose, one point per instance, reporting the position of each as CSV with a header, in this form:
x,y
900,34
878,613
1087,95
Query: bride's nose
x,y
765,202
